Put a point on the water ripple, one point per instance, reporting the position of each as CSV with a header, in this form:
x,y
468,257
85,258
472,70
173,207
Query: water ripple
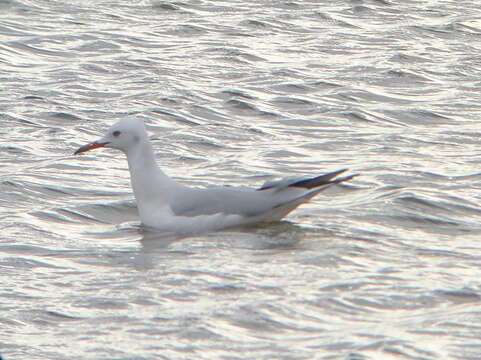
x,y
237,92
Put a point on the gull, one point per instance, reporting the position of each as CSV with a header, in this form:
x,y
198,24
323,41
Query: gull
x,y
167,205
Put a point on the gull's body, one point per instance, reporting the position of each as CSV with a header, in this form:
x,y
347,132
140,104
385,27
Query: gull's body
x,y
165,204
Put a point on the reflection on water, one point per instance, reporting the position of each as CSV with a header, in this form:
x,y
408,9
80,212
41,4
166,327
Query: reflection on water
x,y
234,92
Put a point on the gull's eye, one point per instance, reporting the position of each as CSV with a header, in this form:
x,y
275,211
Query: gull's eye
x,y
116,133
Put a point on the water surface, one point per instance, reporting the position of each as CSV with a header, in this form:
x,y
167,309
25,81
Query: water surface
x,y
234,92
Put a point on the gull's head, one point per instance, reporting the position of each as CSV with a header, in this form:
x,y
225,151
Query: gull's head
x,y
124,135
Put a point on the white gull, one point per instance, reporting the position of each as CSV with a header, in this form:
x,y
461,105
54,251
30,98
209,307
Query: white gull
x,y
165,204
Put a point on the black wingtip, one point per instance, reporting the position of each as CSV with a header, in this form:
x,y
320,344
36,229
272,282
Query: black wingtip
x,y
326,179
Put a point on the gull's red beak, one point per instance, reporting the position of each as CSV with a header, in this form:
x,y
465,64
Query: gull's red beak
x,y
90,146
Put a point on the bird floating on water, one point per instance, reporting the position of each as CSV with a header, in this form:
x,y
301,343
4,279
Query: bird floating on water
x,y
165,204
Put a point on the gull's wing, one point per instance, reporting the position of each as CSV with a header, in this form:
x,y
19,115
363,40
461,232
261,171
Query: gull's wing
x,y
229,201
249,202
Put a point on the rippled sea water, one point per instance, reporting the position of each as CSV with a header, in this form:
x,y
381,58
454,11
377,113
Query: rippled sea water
x,y
387,266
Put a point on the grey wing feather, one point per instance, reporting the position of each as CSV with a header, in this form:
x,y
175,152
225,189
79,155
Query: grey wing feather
x,y
220,200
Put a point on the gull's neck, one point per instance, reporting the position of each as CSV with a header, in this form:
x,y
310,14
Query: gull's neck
x,y
151,185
